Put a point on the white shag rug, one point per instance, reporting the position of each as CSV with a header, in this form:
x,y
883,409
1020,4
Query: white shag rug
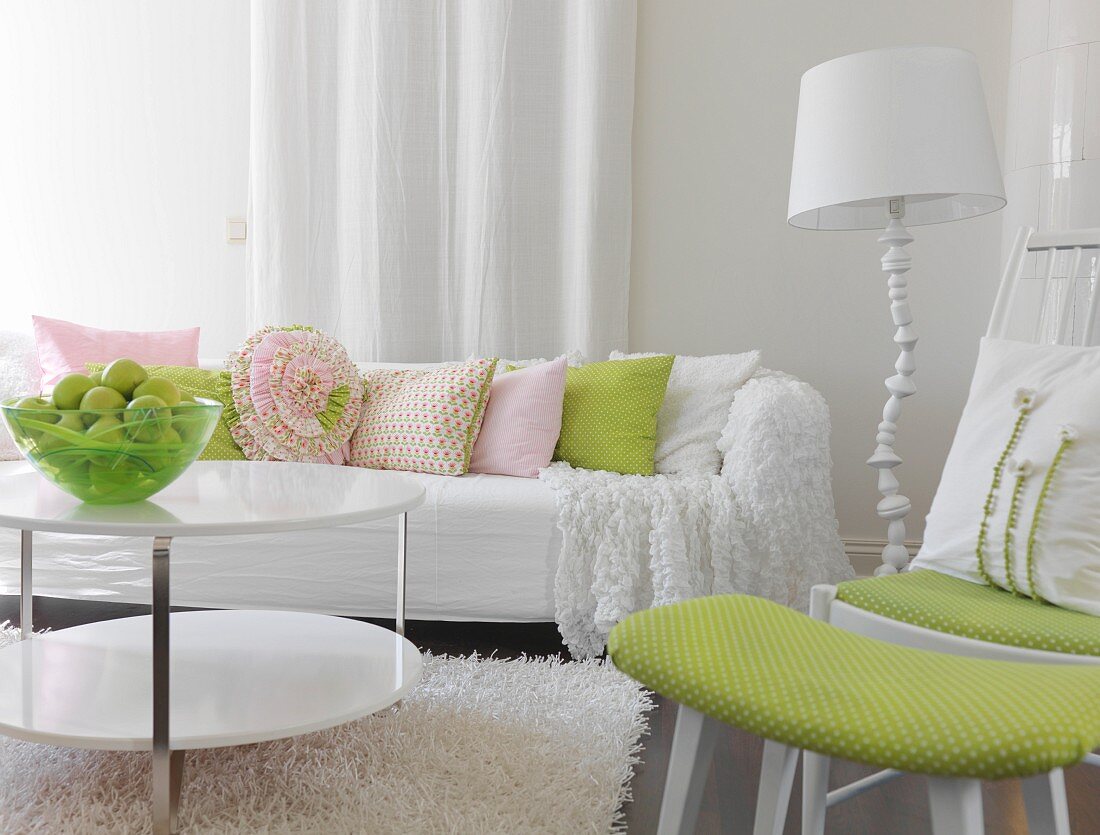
x,y
482,745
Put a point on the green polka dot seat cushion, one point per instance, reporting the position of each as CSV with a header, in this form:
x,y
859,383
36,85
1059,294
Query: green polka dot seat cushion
x,y
784,676
213,385
985,613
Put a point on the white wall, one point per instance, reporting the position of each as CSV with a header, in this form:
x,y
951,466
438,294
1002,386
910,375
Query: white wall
x,y
715,267
123,149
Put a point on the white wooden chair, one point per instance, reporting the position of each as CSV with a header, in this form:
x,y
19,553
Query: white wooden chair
x,y
1062,309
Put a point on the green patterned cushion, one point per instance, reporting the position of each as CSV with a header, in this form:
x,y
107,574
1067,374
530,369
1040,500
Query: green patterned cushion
x,y
609,414
947,604
202,383
784,676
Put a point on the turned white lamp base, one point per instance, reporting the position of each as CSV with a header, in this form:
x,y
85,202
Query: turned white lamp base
x,y
856,152
894,507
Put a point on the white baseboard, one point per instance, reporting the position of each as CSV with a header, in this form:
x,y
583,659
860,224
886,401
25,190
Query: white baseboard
x,y
865,555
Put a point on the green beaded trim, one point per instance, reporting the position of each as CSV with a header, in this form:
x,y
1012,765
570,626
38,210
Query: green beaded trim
x,y
1010,526
1067,441
1026,401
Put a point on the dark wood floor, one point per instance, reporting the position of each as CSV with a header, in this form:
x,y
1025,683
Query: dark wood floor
x,y
899,807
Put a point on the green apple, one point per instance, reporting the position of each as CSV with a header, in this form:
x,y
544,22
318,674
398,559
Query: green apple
x,y
170,443
160,387
108,475
107,430
187,397
124,376
72,422
100,397
96,377
70,389
40,404
187,426
146,417
48,441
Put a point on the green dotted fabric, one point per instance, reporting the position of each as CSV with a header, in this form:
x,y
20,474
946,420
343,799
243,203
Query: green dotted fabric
x,y
609,414
985,613
784,676
201,383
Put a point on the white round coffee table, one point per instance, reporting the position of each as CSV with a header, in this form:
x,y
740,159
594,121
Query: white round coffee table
x,y
231,677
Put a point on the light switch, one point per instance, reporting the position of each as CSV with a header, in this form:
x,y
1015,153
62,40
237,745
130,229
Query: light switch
x,y
236,230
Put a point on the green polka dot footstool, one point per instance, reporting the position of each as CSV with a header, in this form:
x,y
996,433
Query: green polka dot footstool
x,y
803,684
947,604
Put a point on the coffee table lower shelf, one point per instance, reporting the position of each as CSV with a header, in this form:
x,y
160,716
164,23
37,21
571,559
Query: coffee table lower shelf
x,y
237,677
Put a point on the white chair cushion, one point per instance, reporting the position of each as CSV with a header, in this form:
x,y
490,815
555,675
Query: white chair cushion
x,y
1046,503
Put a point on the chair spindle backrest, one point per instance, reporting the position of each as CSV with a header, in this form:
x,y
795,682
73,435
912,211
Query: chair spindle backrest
x,y
1060,308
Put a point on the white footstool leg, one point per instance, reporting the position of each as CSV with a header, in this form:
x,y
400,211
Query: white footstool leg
x,y
815,792
688,766
956,806
776,779
1045,800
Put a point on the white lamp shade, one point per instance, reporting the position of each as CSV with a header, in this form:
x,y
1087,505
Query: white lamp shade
x,y
901,122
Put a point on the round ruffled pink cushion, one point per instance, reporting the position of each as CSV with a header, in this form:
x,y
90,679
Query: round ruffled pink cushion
x,y
298,396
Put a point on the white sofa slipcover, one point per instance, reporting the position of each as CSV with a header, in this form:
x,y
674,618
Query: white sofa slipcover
x,y
482,547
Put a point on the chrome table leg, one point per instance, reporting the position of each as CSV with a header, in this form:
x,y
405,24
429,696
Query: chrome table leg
x,y
26,586
177,761
162,757
402,535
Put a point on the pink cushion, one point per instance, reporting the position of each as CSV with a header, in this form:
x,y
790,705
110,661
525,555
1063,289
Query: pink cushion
x,y
522,421
64,347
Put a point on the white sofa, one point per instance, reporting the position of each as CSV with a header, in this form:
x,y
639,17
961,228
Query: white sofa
x,y
481,547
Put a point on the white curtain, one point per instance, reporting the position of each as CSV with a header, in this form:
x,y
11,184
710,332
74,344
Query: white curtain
x,y
434,179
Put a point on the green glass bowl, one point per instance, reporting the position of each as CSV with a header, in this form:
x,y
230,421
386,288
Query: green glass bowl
x,y
113,456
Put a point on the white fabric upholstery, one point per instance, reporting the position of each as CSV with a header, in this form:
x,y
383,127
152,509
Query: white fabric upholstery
x,y
775,456
430,179
483,547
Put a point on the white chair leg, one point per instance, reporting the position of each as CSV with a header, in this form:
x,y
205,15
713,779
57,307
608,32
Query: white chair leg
x,y
815,792
1045,801
956,806
688,766
776,780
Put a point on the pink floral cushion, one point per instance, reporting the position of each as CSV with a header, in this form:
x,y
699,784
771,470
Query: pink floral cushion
x,y
522,421
64,347
297,396
422,420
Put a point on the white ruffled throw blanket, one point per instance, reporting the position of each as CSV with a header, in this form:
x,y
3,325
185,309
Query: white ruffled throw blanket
x,y
765,526
631,542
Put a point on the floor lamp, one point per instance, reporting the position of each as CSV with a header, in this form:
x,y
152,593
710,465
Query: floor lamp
x,y
885,135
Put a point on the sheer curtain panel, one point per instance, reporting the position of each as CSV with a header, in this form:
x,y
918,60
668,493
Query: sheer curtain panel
x,y
430,180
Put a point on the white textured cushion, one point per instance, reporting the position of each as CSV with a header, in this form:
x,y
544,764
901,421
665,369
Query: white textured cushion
x,y
696,408
1064,384
19,375
574,359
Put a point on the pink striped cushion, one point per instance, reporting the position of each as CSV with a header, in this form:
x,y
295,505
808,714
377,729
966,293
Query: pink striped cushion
x,y
522,421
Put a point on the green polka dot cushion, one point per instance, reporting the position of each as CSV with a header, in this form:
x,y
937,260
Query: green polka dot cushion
x,y
985,613
782,675
609,414
202,383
